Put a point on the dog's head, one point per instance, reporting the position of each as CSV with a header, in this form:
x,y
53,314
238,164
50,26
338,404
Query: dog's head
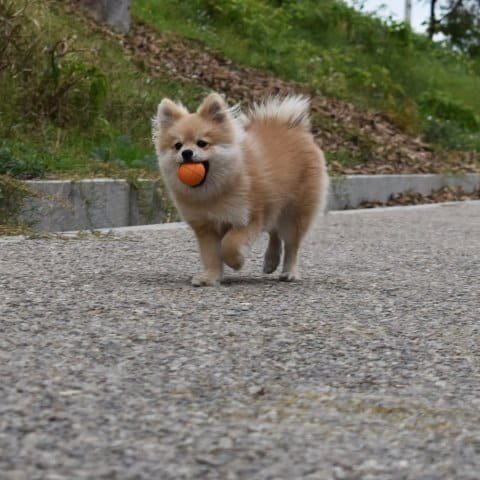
x,y
211,136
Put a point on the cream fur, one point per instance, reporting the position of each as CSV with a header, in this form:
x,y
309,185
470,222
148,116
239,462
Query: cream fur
x,y
265,174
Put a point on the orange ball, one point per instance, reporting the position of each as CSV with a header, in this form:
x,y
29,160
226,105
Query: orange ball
x,y
191,174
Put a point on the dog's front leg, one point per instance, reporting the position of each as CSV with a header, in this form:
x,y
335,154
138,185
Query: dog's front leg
x,y
209,245
236,244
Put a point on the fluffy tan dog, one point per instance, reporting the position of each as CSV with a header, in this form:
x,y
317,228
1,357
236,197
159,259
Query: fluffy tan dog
x,y
263,173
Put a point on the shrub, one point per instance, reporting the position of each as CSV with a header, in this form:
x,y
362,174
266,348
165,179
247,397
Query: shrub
x,y
438,106
449,135
28,166
70,91
449,123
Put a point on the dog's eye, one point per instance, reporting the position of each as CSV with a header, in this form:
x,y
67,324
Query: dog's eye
x,y
202,143
178,146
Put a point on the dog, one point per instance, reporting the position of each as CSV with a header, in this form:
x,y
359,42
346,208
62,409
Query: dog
x,y
263,173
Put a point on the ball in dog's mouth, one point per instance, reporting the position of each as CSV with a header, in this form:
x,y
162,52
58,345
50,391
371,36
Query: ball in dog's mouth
x,y
193,174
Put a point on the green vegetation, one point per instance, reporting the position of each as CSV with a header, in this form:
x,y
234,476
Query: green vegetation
x,y
72,102
12,195
423,87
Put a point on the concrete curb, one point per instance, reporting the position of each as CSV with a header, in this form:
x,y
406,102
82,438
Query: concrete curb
x,y
357,211
349,191
183,226
60,205
66,205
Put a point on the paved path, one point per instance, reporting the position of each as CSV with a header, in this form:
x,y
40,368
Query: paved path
x,y
113,367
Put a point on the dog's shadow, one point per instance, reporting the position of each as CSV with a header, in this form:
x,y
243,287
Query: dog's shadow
x,y
169,278
162,278
249,280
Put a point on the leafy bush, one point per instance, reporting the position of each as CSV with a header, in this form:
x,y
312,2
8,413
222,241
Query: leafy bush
x,y
450,135
29,166
449,123
440,107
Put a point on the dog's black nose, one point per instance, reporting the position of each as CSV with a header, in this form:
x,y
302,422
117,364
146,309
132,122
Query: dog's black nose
x,y
187,155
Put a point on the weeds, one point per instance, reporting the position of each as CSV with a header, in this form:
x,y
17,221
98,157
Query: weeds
x,y
70,95
54,79
69,91
12,195
30,166
16,51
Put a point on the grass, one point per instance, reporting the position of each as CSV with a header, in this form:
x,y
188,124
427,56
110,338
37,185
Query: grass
x,y
76,103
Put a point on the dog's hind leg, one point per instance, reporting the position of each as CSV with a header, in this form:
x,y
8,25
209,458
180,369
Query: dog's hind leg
x,y
273,253
293,227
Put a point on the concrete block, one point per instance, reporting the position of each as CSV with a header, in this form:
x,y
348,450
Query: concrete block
x,y
65,205
349,191
146,204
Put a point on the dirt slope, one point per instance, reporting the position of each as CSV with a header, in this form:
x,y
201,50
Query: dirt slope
x,y
377,144
337,125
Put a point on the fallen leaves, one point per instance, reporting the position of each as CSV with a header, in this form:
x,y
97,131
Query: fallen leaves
x,y
445,194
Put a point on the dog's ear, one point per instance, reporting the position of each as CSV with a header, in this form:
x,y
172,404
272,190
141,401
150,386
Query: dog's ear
x,y
214,108
168,113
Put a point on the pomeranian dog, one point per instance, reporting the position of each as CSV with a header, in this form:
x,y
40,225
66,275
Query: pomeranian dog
x,y
263,172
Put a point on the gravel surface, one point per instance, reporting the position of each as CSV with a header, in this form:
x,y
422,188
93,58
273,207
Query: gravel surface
x,y
113,367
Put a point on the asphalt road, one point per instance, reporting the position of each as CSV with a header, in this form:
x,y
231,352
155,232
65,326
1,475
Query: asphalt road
x,y
113,367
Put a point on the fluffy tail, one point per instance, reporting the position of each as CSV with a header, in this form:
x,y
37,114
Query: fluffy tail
x,y
292,110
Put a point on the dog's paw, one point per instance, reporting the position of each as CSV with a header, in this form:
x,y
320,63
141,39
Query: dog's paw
x,y
270,262
205,279
289,277
232,257
235,261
